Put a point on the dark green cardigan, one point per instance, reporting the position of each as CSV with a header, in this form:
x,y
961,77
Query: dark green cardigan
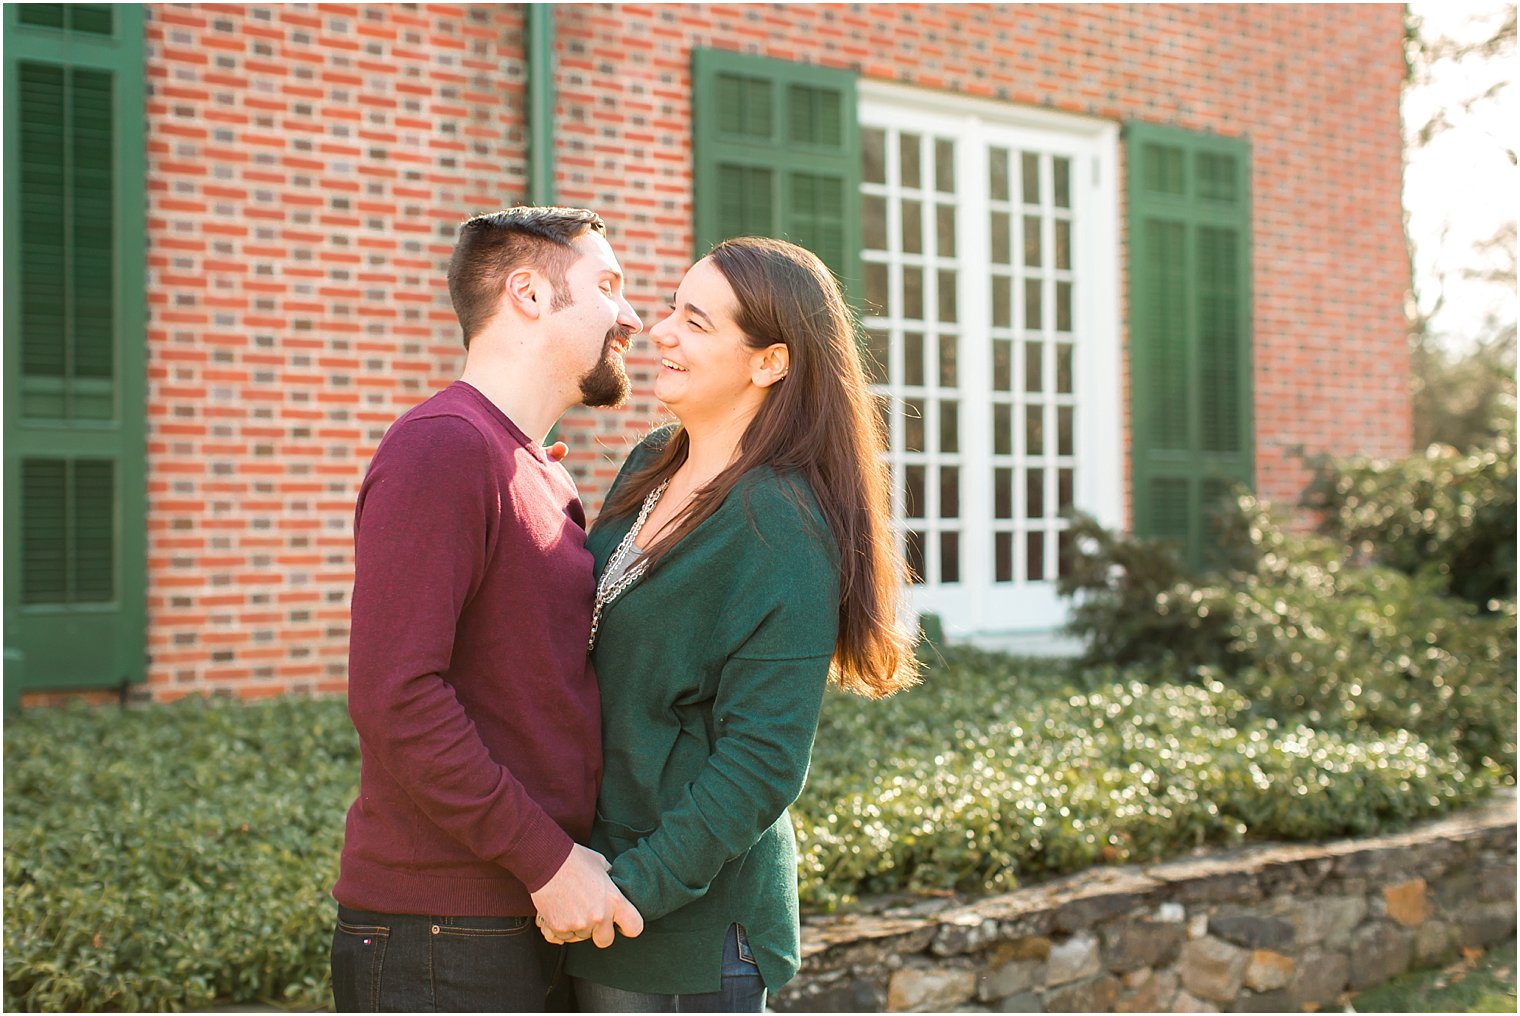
x,y
712,670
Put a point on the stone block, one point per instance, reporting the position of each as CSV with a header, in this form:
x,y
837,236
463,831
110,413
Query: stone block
x,y
1270,1001
1320,977
1213,969
1027,948
1010,979
1095,995
1198,926
1486,923
1378,952
963,933
1497,883
1253,931
845,993
1328,919
1185,1002
1171,913
1434,941
1407,903
1090,910
917,989
1026,1001
1268,970
1072,960
1146,990
1128,945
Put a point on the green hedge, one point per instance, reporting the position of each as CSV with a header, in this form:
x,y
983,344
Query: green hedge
x,y
173,857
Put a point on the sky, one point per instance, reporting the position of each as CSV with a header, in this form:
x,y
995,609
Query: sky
x,y
1462,186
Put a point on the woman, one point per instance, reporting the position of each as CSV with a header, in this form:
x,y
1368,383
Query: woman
x,y
744,557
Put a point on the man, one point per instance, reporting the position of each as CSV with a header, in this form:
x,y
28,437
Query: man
x,y
469,683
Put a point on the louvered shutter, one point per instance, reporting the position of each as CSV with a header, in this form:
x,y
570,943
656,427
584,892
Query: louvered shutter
x,y
74,346
1190,330
777,153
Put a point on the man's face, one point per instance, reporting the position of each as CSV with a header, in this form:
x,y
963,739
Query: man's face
x,y
597,325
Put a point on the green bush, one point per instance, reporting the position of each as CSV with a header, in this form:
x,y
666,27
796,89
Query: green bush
x,y
1306,634
984,776
172,857
1444,512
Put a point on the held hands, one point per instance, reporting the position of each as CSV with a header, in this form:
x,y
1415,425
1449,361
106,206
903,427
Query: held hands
x,y
580,901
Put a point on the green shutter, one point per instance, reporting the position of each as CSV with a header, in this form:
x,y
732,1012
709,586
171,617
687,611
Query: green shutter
x,y
75,332
777,153
1190,330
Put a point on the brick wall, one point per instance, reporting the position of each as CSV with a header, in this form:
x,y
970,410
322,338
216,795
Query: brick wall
x,y
307,167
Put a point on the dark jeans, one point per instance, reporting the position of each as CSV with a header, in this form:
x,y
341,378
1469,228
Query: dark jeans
x,y
742,989
409,963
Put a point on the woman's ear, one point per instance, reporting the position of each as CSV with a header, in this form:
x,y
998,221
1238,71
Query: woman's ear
x,y
770,365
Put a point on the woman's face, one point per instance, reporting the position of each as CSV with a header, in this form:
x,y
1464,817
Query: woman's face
x,y
706,367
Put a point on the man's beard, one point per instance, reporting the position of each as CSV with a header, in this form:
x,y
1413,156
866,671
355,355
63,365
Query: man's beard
x,y
606,384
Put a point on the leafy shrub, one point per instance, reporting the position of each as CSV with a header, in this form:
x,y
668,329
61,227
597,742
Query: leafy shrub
x,y
180,856
173,856
1306,634
1446,512
983,776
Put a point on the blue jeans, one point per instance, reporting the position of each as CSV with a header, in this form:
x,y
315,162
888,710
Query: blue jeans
x,y
742,989
410,963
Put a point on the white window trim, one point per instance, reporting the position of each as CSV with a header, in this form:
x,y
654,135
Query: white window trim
x,y
1026,612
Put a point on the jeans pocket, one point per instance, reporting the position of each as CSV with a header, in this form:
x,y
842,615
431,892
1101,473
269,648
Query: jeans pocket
x,y
358,959
742,941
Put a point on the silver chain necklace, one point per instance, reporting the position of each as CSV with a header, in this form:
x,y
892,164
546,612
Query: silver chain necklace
x,y
607,592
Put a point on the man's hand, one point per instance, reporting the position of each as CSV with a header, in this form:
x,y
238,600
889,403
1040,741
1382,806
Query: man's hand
x,y
581,901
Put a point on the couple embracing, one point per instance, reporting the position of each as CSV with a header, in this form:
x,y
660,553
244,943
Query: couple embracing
x,y
578,750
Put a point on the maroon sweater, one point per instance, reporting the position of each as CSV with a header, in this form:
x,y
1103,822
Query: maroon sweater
x,y
469,683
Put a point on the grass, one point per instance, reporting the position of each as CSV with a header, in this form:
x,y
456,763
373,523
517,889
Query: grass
x,y
1478,982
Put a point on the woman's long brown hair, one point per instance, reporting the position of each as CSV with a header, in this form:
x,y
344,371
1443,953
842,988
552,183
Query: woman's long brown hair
x,y
821,422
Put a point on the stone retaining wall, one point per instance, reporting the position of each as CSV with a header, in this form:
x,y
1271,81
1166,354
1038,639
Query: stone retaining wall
x,y
1259,929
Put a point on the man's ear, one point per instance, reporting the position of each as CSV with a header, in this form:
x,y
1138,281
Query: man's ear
x,y
522,290
770,365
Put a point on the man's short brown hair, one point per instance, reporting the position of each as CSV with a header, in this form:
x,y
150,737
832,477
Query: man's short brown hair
x,y
493,245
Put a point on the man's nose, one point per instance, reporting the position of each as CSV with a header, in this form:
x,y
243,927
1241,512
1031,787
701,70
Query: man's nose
x,y
629,319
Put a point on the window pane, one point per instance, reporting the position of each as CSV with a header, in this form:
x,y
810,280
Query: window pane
x,y
912,173
1064,485
874,222
1034,431
913,359
1002,302
944,230
1031,167
913,550
1004,556
949,427
1034,374
1033,311
1064,552
1034,494
948,344
1062,182
914,496
944,166
913,293
1032,241
947,309
997,173
1063,244
1063,368
873,152
1002,429
949,557
1063,306
950,493
1002,493
913,227
1002,365
1000,242
1065,441
876,288
876,360
913,425
1035,545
